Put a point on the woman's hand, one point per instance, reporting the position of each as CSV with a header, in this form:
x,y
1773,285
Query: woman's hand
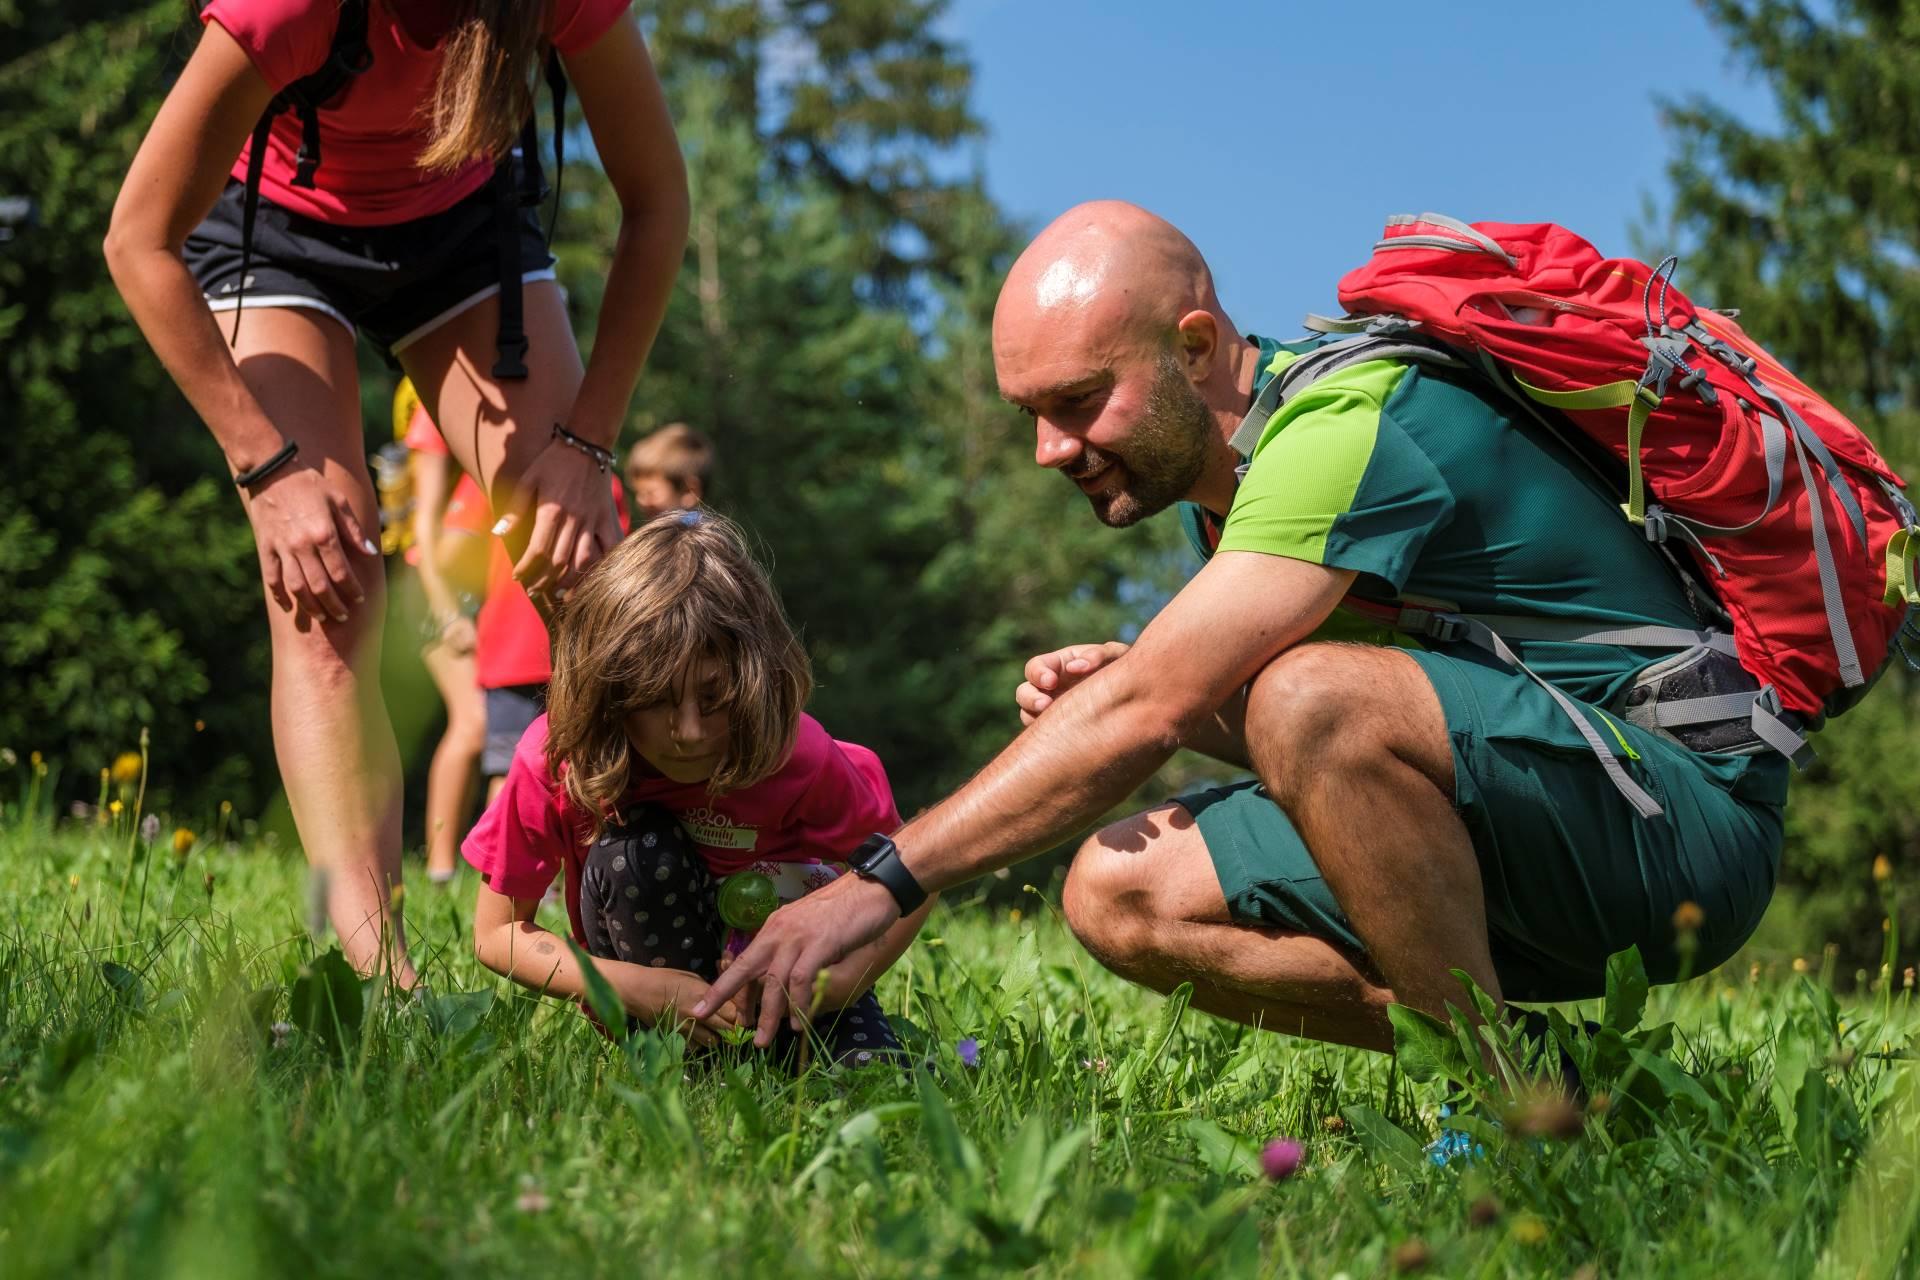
x,y
303,533
570,503
1051,674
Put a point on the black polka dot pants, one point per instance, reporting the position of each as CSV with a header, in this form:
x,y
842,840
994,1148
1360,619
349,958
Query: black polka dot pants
x,y
646,897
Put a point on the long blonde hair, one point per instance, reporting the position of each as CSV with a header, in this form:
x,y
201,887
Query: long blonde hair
x,y
684,587
485,89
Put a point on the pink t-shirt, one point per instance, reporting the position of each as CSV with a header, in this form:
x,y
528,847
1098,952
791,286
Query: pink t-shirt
x,y
371,136
822,803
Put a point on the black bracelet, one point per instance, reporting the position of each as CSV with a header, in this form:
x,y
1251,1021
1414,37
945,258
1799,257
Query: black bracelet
x,y
604,457
253,476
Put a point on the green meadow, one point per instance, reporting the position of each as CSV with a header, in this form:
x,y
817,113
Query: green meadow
x,y
192,1085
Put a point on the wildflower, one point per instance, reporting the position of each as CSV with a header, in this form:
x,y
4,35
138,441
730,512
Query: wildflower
x,y
226,807
150,828
7,757
1528,1229
1688,917
280,1030
182,842
531,1198
36,760
114,807
1483,1212
73,882
199,726
1906,979
1334,1124
1799,964
1013,916
126,768
969,1051
1411,1255
1096,1065
1753,972
1882,869
1281,1158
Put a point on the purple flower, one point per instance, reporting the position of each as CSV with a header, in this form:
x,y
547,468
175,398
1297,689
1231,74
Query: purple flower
x,y
969,1051
1281,1158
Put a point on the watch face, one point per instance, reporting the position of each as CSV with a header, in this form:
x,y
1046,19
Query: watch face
x,y
871,850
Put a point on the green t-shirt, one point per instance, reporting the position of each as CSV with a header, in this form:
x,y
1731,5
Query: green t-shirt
x,y
1425,485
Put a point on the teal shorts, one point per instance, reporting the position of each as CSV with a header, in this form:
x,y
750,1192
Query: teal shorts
x,y
1572,874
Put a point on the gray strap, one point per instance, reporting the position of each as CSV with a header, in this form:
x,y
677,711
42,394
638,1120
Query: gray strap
x,y
1575,631
1318,364
1704,710
1837,627
1776,732
1265,405
1486,244
1645,805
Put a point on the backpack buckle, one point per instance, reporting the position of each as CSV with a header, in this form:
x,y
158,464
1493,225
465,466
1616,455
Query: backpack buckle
x,y
1447,628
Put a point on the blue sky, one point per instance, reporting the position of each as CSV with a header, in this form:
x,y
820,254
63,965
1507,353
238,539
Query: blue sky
x,y
1279,136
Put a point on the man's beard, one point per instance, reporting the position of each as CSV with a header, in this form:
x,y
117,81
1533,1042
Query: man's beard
x,y
1165,453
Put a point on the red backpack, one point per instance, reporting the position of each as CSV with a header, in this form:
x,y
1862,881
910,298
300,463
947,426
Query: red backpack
x,y
1798,526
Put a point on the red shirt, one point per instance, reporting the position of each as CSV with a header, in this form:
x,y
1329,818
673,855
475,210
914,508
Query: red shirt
x,y
371,136
826,799
510,639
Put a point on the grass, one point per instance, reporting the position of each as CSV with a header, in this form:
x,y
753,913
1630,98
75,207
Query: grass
x,y
185,1090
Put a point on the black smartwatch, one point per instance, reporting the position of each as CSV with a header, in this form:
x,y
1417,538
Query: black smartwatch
x,y
878,859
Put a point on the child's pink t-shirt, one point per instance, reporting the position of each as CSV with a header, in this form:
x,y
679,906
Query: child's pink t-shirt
x,y
372,135
826,799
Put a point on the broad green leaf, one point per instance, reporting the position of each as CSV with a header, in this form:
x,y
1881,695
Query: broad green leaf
x,y
1385,1141
1426,1047
326,1001
950,1147
1626,991
1223,1151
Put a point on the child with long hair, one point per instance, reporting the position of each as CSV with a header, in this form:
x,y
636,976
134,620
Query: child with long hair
x,y
674,757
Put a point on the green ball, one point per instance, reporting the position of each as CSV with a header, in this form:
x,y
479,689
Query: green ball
x,y
747,899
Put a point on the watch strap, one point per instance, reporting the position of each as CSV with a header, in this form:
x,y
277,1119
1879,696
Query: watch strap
x,y
878,858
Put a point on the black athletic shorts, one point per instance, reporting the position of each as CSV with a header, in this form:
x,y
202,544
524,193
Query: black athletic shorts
x,y
394,283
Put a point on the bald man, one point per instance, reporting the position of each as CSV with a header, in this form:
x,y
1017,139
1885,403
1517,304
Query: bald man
x,y
1412,810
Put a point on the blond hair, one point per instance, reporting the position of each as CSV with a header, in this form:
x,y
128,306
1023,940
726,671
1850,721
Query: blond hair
x,y
683,454
484,92
684,587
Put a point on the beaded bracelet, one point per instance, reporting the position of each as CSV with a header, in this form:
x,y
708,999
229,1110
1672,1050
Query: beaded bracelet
x,y
604,457
254,475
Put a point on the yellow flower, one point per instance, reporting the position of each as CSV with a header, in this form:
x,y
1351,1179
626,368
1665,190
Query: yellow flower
x,y
226,806
1799,964
1688,917
126,767
73,882
1013,916
1882,869
35,757
1528,1229
115,807
182,841
199,726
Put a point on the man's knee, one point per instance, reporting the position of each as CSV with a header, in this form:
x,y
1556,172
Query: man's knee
x,y
1348,708
1128,882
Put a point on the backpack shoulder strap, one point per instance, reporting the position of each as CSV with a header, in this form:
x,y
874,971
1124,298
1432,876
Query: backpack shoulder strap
x,y
1384,343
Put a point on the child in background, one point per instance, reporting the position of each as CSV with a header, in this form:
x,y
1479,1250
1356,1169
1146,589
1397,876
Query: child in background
x,y
447,636
670,469
675,754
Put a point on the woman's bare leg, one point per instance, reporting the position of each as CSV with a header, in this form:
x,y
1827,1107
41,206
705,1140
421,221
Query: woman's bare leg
x,y
456,760
338,760
495,429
